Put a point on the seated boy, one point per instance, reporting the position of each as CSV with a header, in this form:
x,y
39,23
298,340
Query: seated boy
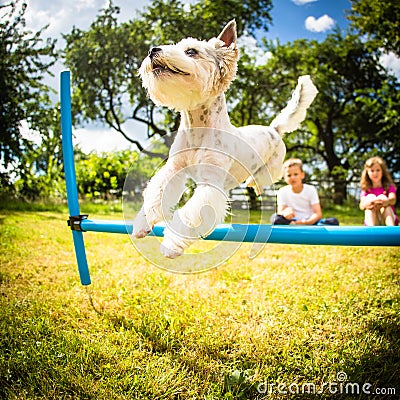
x,y
298,202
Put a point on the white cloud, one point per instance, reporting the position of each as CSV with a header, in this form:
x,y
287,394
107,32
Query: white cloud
x,y
61,15
302,2
250,47
321,24
392,63
99,138
102,140
82,5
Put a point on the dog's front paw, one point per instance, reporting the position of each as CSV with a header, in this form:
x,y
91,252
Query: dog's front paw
x,y
141,227
139,234
169,248
169,253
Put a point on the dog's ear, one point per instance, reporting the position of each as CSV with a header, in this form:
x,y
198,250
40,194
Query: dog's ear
x,y
226,54
228,34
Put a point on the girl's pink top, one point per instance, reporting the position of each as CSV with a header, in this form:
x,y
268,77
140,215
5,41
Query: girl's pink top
x,y
377,192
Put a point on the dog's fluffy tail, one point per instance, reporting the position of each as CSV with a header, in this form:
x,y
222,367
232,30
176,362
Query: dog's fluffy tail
x,y
294,113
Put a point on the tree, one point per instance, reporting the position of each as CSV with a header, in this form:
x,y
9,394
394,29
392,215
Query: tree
x,y
379,19
105,59
104,175
24,61
356,111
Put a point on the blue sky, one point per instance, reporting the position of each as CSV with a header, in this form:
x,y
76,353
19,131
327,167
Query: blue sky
x,y
289,18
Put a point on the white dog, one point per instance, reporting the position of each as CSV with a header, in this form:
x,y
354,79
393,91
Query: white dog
x,y
191,77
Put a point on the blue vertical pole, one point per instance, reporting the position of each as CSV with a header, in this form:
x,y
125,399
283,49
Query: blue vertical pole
x,y
70,175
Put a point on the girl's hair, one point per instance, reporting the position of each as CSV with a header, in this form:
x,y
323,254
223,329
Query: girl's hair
x,y
366,182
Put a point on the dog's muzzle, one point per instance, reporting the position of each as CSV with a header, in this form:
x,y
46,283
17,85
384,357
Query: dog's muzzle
x,y
158,64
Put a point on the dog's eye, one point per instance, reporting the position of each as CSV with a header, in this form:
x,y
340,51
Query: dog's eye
x,y
191,52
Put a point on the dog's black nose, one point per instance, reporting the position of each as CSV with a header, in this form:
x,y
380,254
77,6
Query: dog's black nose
x,y
153,51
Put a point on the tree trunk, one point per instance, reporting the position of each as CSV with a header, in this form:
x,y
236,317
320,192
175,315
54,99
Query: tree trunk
x,y
340,191
335,167
254,203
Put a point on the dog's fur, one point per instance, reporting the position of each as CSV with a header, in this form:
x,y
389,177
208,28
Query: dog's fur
x,y
191,77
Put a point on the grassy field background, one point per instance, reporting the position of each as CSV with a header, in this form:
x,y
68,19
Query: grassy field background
x,y
297,316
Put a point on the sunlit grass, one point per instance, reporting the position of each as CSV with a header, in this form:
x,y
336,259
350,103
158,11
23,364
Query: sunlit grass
x,y
295,314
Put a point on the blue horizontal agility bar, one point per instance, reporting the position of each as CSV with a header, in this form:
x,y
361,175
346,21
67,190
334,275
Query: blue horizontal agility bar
x,y
313,235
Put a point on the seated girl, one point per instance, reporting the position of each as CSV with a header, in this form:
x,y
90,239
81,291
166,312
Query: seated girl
x,y
378,194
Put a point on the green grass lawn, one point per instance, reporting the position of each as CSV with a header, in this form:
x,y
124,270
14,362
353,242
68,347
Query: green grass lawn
x,y
298,316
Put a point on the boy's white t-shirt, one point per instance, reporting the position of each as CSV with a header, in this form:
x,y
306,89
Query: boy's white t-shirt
x,y
301,202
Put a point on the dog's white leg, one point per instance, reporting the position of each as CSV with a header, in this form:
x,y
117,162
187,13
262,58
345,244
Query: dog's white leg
x,y
141,227
161,194
197,218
